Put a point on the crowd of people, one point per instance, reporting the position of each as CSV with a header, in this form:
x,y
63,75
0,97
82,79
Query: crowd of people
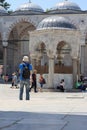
x,y
28,77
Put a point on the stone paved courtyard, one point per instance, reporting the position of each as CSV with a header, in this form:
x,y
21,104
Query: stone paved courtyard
x,y
44,110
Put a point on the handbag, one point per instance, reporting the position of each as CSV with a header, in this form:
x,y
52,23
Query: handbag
x,y
44,81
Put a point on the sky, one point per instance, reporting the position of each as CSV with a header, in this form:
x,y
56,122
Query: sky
x,y
45,4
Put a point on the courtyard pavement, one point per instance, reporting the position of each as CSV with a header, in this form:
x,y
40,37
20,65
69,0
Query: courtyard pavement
x,y
44,110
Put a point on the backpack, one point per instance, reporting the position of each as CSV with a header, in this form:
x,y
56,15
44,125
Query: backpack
x,y
26,72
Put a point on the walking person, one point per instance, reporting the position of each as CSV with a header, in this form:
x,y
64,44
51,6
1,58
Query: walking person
x,y
34,81
6,78
14,80
25,71
41,81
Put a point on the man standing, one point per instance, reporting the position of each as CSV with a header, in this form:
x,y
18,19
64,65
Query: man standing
x,y
25,71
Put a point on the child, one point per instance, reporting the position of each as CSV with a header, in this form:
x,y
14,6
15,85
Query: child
x,y
14,80
41,81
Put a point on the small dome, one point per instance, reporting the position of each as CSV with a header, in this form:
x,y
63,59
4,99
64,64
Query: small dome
x,y
30,8
55,22
2,10
66,5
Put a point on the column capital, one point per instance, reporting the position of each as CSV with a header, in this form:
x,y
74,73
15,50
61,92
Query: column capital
x,y
74,58
50,54
33,56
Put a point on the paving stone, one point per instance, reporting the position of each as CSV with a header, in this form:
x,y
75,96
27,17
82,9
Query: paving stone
x,y
44,111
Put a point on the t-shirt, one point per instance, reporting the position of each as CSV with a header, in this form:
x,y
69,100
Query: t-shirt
x,y
34,77
78,84
21,66
62,84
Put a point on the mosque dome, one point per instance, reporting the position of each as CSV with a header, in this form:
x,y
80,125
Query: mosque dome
x,y
55,22
66,5
2,10
29,8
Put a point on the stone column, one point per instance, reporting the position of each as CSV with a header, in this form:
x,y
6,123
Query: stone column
x,y
33,57
51,69
5,44
74,61
51,73
78,68
32,61
82,59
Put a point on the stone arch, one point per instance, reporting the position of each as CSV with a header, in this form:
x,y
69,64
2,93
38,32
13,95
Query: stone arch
x,y
18,40
17,22
40,49
63,48
63,58
41,58
40,46
18,31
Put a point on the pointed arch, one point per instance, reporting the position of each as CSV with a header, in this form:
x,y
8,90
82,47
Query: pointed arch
x,y
63,60
63,48
18,21
41,58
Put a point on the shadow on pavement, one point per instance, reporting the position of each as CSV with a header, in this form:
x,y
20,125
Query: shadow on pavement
x,y
12,120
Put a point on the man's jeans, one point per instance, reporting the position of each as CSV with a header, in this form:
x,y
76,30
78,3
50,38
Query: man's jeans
x,y
25,83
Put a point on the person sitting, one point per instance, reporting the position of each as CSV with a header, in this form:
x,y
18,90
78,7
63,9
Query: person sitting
x,y
84,86
81,78
61,85
80,85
